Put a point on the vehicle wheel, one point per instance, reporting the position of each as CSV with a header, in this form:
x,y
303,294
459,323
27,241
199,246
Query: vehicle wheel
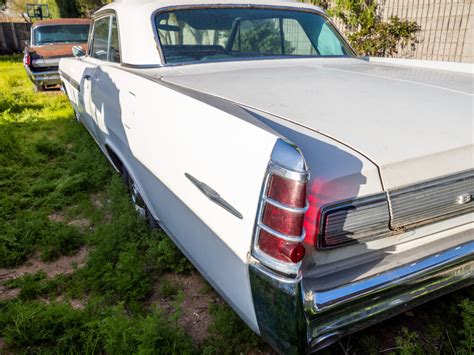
x,y
137,199
78,117
39,88
138,202
152,222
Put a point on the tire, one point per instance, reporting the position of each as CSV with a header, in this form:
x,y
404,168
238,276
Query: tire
x,y
77,116
39,88
138,202
135,196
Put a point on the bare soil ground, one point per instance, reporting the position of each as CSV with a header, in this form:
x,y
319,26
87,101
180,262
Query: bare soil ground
x,y
63,265
197,298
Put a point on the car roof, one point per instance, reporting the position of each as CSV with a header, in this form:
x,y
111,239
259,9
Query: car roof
x,y
159,4
138,42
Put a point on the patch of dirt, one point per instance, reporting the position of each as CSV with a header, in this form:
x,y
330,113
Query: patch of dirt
x,y
3,347
198,296
63,265
97,201
81,223
56,217
8,294
77,304
74,303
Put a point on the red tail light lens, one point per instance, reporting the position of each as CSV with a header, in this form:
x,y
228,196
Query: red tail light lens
x,y
280,227
289,192
27,60
280,249
285,222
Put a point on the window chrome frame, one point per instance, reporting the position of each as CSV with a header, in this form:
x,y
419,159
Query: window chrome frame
x,y
98,16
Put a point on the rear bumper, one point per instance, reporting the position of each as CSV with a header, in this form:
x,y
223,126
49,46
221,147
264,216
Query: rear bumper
x,y
50,77
295,318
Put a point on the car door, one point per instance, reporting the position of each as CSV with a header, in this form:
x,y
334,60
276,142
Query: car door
x,y
105,105
97,55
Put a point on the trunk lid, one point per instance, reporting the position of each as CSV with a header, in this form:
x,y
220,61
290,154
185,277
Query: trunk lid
x,y
414,124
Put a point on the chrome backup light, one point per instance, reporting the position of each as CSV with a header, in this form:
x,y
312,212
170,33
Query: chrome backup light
x,y
279,231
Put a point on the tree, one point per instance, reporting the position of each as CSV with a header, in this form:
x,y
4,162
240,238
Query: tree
x,y
87,7
67,8
365,29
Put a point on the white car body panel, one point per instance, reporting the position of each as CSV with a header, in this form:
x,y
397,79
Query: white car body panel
x,y
214,239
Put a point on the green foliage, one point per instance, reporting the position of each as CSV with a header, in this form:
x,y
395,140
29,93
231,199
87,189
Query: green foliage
x,y
467,333
35,327
229,334
167,288
151,334
87,7
67,8
39,174
365,29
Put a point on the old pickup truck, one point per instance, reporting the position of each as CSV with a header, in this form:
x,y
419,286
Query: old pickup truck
x,y
318,192
50,41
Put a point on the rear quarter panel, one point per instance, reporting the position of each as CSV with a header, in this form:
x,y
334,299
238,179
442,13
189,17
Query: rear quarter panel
x,y
160,134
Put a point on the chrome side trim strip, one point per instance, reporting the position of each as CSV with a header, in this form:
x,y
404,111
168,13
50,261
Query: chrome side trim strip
x,y
71,81
213,195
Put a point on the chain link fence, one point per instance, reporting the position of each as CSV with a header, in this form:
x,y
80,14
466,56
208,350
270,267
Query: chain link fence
x,y
446,28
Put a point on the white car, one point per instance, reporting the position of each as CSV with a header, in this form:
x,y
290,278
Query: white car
x,y
317,192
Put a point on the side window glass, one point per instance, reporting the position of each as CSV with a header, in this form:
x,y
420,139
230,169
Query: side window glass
x,y
114,50
296,40
328,43
261,37
100,38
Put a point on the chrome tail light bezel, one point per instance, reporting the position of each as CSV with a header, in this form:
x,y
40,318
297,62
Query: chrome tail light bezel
x,y
286,161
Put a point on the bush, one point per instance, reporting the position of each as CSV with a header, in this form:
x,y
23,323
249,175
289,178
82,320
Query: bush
x,y
365,29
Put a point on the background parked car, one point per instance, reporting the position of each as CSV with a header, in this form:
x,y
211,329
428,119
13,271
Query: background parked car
x,y
50,41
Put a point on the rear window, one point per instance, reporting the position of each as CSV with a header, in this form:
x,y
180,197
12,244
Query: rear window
x,y
204,35
60,34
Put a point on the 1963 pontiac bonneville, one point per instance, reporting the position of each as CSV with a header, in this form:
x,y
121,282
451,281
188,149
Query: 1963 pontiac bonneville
x,y
316,191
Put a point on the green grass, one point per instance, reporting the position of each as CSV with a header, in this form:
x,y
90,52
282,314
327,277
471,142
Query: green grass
x,y
51,174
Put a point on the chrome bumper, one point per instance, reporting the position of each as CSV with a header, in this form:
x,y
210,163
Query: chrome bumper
x,y
50,77
294,318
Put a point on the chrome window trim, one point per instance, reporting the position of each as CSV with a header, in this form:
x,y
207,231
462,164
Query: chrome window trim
x,y
97,16
242,6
